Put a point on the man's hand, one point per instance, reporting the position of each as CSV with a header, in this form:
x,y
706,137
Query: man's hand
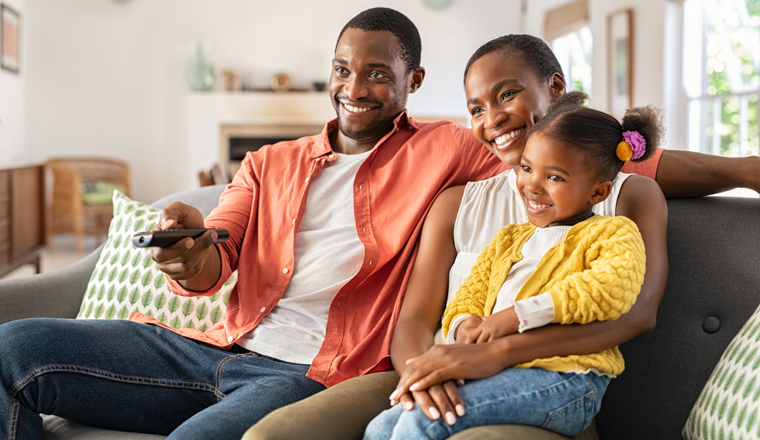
x,y
479,329
187,258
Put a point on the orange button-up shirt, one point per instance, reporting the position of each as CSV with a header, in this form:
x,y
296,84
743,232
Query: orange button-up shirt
x,y
393,191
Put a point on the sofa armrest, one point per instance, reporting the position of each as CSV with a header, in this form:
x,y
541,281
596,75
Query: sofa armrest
x,y
55,294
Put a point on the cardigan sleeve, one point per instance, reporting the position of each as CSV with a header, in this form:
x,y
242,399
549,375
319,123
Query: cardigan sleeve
x,y
615,264
472,295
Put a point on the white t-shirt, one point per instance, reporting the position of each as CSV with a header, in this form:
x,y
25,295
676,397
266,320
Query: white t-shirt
x,y
328,254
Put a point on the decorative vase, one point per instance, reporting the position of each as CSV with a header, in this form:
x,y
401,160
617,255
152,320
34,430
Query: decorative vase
x,y
200,73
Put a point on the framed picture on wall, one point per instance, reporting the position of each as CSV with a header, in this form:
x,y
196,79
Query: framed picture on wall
x,y
10,23
620,61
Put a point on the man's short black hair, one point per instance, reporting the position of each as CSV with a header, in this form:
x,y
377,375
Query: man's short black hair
x,y
534,52
387,19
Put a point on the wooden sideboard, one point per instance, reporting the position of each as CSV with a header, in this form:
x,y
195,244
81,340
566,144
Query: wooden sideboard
x,y
21,216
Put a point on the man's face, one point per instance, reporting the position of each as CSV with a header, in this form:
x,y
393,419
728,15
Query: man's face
x,y
369,84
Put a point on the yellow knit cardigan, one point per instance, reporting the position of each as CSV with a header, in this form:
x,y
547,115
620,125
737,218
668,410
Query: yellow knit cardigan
x,y
594,274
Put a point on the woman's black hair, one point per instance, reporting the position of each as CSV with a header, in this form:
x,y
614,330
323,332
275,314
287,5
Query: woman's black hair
x,y
597,134
535,53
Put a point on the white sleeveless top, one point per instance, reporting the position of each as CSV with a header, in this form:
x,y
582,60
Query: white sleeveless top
x,y
489,205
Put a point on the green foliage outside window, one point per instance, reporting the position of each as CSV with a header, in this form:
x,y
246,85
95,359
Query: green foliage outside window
x,y
733,69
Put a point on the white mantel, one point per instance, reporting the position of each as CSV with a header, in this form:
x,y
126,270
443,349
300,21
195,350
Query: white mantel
x,y
208,112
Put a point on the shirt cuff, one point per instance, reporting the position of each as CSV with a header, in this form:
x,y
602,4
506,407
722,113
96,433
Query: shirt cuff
x,y
536,311
453,328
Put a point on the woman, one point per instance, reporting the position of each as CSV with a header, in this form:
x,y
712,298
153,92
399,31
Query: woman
x,y
510,83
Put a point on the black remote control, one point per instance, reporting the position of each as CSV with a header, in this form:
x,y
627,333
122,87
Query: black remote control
x,y
171,236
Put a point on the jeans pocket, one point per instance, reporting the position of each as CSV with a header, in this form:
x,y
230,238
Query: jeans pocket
x,y
574,417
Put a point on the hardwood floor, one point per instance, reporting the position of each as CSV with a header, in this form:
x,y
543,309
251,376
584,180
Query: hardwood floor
x,y
62,254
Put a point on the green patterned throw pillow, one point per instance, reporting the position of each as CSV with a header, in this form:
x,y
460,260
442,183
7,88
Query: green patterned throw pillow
x,y
729,405
127,280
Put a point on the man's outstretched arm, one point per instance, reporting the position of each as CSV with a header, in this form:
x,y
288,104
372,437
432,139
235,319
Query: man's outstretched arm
x,y
688,174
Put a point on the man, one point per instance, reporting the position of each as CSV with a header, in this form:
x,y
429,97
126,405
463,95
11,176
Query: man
x,y
323,230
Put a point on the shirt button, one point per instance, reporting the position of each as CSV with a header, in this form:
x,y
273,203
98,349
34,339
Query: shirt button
x,y
307,179
229,338
263,309
360,187
364,230
294,221
331,156
370,262
338,304
285,270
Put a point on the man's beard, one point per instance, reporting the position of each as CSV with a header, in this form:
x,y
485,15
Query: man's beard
x,y
376,129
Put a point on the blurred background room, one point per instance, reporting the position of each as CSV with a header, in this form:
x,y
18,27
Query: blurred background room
x,y
152,97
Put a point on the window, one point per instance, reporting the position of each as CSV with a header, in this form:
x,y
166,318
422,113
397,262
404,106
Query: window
x,y
573,51
566,29
722,75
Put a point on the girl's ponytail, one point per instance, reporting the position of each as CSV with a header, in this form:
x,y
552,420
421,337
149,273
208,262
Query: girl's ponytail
x,y
642,132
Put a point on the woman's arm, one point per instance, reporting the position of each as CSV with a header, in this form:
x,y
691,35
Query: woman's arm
x,y
640,200
424,302
688,174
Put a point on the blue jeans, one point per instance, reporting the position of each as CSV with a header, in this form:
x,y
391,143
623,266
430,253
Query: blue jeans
x,y
136,377
561,402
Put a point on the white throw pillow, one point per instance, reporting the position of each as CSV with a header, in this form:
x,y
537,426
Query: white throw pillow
x,y
729,405
127,280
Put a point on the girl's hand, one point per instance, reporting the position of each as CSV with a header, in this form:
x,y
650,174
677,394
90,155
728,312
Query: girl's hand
x,y
498,325
469,330
479,329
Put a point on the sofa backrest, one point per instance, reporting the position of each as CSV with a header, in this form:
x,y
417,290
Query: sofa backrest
x,y
713,288
205,198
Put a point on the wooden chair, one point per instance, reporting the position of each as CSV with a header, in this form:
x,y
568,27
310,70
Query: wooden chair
x,y
214,176
66,209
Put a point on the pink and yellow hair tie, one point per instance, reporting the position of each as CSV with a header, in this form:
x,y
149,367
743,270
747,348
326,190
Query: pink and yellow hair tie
x,y
633,146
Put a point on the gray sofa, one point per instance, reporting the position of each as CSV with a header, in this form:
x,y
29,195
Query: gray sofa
x,y
713,288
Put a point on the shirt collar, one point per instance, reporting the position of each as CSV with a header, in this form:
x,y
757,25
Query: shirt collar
x,y
322,146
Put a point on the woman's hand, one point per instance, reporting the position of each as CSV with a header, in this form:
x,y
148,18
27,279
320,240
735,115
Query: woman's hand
x,y
440,400
446,363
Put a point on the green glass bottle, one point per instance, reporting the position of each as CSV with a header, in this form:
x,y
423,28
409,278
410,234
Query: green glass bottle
x,y
200,73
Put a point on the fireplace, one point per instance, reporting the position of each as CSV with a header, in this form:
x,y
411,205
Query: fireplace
x,y
238,139
223,126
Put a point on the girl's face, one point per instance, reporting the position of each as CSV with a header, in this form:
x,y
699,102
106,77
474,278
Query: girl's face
x,y
505,98
558,188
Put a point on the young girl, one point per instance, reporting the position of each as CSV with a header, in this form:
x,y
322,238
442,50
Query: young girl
x,y
566,266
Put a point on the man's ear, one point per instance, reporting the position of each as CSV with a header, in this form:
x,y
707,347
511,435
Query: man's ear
x,y
602,190
556,85
416,79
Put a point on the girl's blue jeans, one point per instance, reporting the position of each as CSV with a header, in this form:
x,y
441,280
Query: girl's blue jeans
x,y
136,377
561,402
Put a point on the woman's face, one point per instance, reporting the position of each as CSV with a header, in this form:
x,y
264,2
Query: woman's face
x,y
505,98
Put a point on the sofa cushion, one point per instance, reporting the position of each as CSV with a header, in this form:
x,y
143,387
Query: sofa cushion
x,y
730,401
127,280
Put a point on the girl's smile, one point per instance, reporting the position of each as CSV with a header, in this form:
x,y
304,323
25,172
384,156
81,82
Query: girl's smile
x,y
555,183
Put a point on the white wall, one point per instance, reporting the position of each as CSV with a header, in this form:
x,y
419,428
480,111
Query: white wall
x,y
12,133
107,78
